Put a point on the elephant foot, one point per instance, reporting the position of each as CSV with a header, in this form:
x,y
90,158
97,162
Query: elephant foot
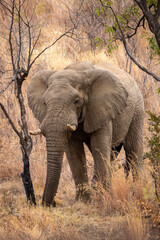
x,y
94,182
101,184
49,205
54,204
83,197
83,194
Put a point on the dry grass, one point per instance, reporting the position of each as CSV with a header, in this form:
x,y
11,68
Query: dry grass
x,y
109,216
127,213
119,215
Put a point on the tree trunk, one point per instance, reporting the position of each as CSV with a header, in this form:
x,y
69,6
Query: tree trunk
x,y
27,182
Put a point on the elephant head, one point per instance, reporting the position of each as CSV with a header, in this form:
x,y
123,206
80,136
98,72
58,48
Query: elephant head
x,y
62,100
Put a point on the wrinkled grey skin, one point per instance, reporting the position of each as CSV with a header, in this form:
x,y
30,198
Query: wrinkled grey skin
x,y
105,105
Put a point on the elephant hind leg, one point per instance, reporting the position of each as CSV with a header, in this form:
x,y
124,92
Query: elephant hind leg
x,y
126,166
133,146
115,151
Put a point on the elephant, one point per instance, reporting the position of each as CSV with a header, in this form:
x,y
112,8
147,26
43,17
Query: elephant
x,y
100,106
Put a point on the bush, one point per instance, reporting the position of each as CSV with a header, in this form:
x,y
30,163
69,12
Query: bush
x,y
154,153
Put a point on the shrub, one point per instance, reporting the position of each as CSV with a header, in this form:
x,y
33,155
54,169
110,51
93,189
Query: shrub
x,y
154,153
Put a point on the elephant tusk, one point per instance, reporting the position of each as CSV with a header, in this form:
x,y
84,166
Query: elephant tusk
x,y
71,127
36,132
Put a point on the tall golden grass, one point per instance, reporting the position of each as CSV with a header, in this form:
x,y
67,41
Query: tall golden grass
x,y
127,213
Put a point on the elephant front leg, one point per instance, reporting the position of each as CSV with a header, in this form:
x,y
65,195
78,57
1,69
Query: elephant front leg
x,y
77,161
101,150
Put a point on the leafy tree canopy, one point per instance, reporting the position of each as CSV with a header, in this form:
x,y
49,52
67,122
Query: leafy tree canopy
x,y
126,21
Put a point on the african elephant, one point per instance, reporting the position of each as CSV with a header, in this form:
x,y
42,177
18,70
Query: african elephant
x,y
100,106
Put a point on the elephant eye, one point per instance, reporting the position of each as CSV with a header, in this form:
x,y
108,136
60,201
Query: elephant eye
x,y
76,101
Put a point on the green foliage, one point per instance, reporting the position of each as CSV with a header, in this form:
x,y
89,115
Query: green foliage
x,y
154,153
109,44
123,19
152,2
99,11
154,141
109,31
99,43
128,13
128,19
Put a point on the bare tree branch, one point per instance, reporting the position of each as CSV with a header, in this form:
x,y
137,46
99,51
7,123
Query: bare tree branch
x,y
140,66
5,6
20,39
10,121
136,28
10,36
34,45
8,84
23,35
152,19
142,19
29,47
123,39
64,34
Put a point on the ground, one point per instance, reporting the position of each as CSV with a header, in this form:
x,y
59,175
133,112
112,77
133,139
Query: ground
x,y
128,213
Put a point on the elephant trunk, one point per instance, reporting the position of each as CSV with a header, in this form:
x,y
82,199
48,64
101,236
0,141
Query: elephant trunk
x,y
55,151
54,128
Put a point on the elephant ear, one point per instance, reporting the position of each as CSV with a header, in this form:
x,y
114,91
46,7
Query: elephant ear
x,y
107,99
37,87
